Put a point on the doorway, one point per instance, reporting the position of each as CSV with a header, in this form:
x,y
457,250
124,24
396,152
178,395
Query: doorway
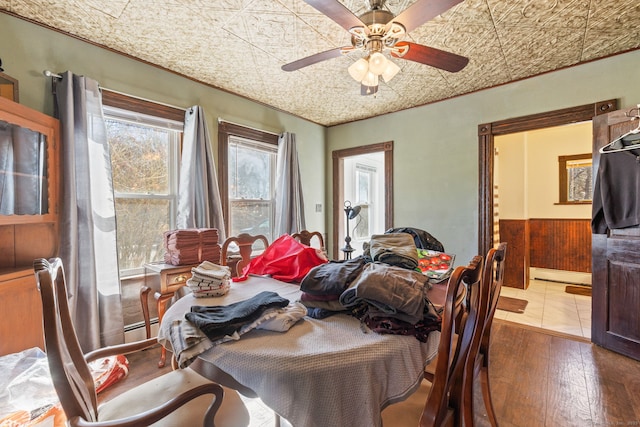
x,y
364,177
487,133
486,144
536,189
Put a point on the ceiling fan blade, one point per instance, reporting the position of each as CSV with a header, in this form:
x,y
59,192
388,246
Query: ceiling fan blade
x,y
315,58
368,90
338,12
430,56
422,11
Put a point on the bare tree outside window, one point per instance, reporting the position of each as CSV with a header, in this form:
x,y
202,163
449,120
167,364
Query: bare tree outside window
x,y
144,157
576,179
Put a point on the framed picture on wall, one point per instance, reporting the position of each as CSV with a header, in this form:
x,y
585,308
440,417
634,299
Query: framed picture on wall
x,y
576,183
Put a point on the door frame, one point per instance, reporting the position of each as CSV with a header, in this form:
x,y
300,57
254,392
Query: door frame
x,y
338,184
486,148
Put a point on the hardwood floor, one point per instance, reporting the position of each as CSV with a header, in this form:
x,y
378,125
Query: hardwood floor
x,y
537,379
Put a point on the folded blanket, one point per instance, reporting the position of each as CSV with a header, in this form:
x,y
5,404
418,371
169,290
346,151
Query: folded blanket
x,y
282,319
397,249
208,269
218,321
188,341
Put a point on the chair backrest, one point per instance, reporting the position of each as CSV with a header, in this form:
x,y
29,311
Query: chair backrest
x,y
493,279
305,237
446,395
245,244
69,371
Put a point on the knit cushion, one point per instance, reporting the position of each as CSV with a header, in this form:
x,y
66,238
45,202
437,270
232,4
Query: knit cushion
x,y
232,413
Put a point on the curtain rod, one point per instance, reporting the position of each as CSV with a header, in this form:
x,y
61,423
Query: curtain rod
x,y
221,120
48,73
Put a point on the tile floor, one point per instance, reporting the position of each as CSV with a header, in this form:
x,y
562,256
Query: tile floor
x,y
550,307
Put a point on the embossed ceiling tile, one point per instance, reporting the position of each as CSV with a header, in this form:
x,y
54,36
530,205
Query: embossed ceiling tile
x,y
314,35
526,13
226,5
308,39
536,52
113,7
612,30
472,12
240,45
75,17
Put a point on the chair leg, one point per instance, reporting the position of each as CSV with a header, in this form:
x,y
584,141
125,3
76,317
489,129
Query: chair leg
x,y
144,301
277,423
486,393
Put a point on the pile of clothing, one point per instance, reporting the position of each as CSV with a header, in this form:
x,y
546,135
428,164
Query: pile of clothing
x,y
382,288
209,280
191,246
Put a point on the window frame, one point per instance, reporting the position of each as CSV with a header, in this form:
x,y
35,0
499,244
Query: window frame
x,y
225,131
159,111
563,178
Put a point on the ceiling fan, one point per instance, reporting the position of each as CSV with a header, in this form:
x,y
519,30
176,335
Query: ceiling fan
x,y
377,31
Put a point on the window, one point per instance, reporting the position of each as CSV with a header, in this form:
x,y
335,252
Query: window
x,y
575,176
365,180
247,179
145,158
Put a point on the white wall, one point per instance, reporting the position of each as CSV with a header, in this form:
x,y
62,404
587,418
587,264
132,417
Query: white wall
x,y
528,178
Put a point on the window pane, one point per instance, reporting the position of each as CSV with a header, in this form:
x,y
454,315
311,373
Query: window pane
x,y
141,224
252,218
249,172
579,183
140,158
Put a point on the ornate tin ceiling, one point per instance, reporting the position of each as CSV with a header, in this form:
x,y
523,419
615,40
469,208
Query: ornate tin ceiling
x,y
240,45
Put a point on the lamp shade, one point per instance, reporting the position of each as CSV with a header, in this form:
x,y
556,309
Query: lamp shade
x,y
377,63
370,79
390,71
354,212
358,70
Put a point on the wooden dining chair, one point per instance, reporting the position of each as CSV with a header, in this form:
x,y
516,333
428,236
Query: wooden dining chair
x,y
444,404
181,397
245,243
305,237
493,277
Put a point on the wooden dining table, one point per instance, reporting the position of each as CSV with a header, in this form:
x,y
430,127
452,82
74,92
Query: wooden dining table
x,y
320,372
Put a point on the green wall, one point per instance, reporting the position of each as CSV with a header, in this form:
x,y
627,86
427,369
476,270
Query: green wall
x,y
436,146
27,49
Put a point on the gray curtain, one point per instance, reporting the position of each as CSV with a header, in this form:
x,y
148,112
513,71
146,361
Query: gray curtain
x,y
289,203
199,204
87,219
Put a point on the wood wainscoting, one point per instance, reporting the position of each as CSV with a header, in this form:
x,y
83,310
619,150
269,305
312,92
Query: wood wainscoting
x,y
556,244
561,244
516,270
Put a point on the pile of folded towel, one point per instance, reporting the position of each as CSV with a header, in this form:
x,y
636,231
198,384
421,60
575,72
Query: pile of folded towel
x,y
191,246
209,280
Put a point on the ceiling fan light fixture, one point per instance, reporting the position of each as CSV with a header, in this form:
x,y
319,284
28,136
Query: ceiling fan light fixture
x,y
377,63
370,79
390,71
358,70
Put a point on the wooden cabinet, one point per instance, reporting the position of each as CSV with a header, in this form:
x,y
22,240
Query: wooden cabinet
x,y
21,324
165,280
29,153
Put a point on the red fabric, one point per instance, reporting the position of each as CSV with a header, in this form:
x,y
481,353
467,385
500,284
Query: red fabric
x,y
285,259
108,371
